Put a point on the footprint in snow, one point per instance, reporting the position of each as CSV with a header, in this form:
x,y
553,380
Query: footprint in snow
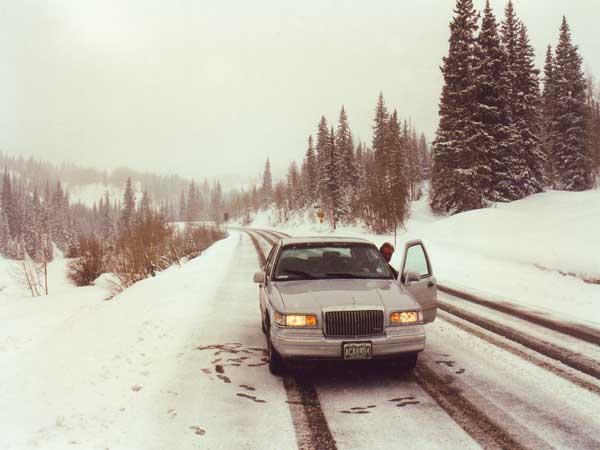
x,y
199,431
403,404
224,378
251,397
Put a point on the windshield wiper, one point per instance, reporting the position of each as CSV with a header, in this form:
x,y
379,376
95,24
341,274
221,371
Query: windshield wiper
x,y
344,275
302,273
359,276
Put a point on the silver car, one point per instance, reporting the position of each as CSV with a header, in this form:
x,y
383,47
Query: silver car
x,y
336,298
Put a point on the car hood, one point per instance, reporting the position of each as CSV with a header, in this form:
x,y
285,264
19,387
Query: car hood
x,y
314,295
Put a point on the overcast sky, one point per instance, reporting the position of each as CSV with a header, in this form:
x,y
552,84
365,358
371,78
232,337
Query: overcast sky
x,y
211,88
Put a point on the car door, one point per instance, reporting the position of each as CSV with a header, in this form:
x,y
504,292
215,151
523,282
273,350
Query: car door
x,y
423,287
264,287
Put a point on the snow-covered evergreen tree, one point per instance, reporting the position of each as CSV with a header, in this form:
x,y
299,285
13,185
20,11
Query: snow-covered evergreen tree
x,y
399,170
294,188
333,188
547,109
322,158
310,173
499,165
4,235
459,174
128,209
145,207
346,164
182,207
593,126
571,165
267,184
384,219
526,107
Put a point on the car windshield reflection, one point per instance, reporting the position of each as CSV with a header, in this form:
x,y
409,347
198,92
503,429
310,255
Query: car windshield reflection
x,y
331,261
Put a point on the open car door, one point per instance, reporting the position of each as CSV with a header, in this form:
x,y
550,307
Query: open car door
x,y
416,274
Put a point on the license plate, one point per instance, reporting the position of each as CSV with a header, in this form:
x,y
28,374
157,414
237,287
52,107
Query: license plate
x,y
357,350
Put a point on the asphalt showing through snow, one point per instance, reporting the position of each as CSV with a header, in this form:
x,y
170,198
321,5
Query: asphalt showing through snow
x,y
500,384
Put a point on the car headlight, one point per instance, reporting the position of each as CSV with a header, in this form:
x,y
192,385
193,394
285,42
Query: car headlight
x,y
295,320
405,317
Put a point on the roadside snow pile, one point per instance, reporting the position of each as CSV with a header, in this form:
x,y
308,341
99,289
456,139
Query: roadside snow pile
x,y
81,371
542,251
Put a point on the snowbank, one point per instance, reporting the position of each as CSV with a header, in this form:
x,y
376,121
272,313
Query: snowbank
x,y
77,371
537,251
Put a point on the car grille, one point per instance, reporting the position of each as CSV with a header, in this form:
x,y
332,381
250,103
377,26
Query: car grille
x,y
353,323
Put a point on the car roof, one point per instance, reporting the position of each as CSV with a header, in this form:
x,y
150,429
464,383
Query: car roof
x,y
324,240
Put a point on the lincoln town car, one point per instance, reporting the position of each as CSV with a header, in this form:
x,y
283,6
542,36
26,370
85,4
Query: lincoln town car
x,y
336,298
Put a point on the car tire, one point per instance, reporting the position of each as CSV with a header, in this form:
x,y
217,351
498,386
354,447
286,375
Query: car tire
x,y
276,362
262,324
409,362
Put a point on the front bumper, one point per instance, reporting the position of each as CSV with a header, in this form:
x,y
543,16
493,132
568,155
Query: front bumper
x,y
312,344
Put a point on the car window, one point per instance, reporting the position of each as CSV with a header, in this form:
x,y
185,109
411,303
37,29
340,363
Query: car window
x,y
416,261
319,261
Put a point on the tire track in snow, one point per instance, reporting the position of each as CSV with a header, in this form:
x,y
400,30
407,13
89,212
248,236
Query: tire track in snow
x,y
487,424
576,361
310,425
532,358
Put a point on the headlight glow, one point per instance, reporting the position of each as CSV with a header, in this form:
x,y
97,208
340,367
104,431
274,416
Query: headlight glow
x,y
295,320
404,317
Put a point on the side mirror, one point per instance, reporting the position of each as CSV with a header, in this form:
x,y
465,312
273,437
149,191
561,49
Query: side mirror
x,y
411,276
259,277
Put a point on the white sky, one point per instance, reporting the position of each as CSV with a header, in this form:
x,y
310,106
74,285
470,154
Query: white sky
x,y
211,88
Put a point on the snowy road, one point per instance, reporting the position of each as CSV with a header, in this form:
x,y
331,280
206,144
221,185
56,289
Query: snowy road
x,y
516,397
178,362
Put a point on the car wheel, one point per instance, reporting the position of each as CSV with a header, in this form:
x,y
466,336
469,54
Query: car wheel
x,y
276,362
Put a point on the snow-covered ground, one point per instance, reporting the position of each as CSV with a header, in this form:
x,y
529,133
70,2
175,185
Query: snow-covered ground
x,y
178,361
82,372
535,252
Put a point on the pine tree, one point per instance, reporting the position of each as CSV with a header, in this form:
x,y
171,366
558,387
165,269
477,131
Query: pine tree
x,y
322,158
458,168
182,207
346,164
593,126
524,102
294,188
145,207
571,165
425,157
399,188
310,174
4,235
267,184
128,209
216,200
9,205
107,227
333,188
59,217
526,113
382,165
548,111
501,168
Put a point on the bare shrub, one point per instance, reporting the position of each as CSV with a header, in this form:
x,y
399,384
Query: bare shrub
x,y
90,262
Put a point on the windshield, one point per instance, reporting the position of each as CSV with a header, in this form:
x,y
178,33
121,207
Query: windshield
x,y
320,261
